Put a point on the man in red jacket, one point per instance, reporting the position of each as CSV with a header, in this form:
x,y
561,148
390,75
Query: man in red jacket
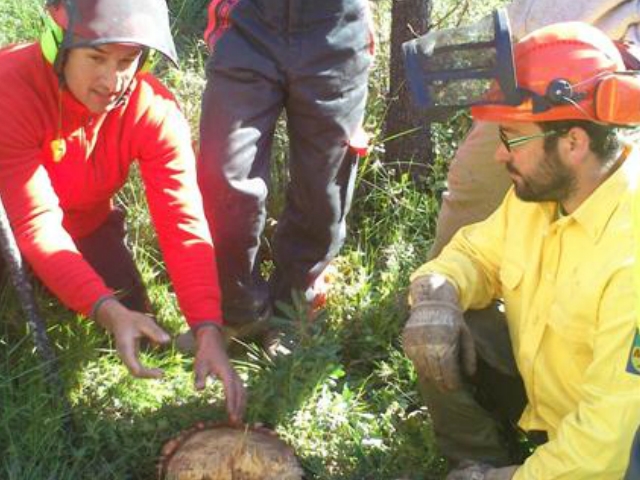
x,y
78,108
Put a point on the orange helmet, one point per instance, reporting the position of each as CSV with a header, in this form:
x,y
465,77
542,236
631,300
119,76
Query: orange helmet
x,y
569,71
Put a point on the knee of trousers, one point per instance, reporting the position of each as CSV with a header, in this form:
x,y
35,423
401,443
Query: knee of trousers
x,y
235,210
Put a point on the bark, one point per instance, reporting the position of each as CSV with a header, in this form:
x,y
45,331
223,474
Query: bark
x,y
412,150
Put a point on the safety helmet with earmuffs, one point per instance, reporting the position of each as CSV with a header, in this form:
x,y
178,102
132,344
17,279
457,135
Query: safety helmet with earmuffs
x,y
570,71
91,23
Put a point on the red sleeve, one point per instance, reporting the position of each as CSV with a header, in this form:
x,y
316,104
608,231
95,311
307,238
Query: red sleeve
x,y
29,198
167,164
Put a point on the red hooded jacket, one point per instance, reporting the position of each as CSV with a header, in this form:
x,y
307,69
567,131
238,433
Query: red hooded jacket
x,y
50,202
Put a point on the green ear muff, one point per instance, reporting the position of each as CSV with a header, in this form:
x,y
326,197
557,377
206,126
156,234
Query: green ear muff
x,y
149,61
53,36
51,39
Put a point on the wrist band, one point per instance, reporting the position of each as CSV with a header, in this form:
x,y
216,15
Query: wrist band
x,y
98,303
437,303
205,323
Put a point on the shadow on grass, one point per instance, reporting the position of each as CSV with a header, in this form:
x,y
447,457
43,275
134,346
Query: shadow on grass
x,y
122,423
345,399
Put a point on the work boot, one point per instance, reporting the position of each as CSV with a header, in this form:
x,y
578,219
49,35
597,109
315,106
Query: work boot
x,y
276,343
306,307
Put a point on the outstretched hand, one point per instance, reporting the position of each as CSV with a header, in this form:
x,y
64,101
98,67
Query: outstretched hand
x,y
128,327
212,360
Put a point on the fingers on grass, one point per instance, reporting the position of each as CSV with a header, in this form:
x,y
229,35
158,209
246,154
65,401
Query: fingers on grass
x,y
153,331
128,352
201,373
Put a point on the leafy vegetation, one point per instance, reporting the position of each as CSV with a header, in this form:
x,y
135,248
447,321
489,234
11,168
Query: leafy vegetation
x,y
345,399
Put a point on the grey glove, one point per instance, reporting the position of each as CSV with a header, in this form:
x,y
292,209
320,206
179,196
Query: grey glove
x,y
437,340
505,473
482,471
469,470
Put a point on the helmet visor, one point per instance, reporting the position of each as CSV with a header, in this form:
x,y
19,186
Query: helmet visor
x,y
459,67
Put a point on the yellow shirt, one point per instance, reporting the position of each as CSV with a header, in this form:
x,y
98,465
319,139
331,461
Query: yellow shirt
x,y
568,288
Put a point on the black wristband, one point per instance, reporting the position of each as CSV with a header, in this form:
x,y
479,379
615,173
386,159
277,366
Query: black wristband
x,y
206,323
98,304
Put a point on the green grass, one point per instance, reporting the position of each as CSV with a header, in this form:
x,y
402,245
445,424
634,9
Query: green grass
x,y
346,399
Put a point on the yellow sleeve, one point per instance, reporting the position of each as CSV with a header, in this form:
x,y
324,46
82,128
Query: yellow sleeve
x,y
594,441
635,208
471,261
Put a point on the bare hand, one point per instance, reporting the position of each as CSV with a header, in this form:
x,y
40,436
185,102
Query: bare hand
x,y
212,360
128,327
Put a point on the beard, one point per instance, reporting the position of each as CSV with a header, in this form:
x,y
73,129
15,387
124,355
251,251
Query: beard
x,y
551,181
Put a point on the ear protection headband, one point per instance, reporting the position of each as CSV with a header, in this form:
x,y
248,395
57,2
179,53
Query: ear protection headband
x,y
599,84
52,38
609,92
616,97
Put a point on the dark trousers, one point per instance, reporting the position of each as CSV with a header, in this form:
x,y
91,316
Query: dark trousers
x,y
633,472
310,59
106,251
478,422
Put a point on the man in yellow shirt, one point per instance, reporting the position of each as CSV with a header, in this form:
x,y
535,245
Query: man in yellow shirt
x,y
554,358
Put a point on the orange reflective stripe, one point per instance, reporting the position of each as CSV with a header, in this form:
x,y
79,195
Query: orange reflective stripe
x,y
211,14
219,12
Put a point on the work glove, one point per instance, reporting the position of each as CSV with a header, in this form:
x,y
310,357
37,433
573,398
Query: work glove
x,y
437,340
482,471
504,473
470,470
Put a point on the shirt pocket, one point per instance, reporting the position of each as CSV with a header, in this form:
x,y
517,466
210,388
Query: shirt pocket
x,y
575,329
511,276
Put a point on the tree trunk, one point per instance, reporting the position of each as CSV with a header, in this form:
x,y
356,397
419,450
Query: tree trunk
x,y
411,149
